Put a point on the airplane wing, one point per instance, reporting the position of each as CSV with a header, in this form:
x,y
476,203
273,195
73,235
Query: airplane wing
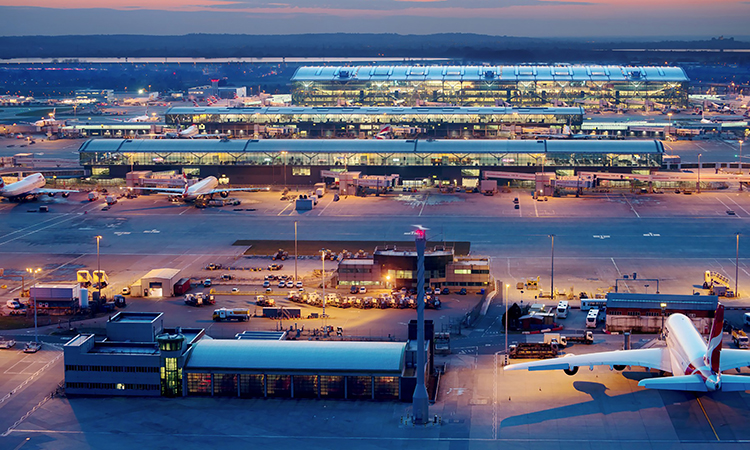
x,y
51,191
219,191
733,358
656,358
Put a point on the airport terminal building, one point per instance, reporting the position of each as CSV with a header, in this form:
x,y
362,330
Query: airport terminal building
x,y
303,162
616,87
366,122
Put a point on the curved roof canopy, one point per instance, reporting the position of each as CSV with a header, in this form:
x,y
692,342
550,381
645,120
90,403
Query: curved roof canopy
x,y
490,73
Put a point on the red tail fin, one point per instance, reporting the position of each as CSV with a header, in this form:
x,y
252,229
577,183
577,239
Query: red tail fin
x,y
713,352
185,192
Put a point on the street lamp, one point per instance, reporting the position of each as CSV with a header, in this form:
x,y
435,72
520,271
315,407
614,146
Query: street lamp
x,y
98,267
506,323
33,273
737,268
669,127
698,187
740,165
552,274
283,156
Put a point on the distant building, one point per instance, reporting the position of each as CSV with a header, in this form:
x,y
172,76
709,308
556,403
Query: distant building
x,y
643,313
625,87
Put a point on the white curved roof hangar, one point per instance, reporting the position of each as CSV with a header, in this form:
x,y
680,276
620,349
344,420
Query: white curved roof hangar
x,y
374,358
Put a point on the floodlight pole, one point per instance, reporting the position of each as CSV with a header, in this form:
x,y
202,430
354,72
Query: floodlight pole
x,y
737,268
420,400
295,251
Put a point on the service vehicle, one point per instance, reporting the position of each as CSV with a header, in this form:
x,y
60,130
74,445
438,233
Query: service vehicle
x,y
562,309
207,282
280,254
538,350
231,314
740,339
275,267
111,199
213,266
592,318
462,291
14,304
93,196
585,338
266,284
226,277
32,347
262,300
6,343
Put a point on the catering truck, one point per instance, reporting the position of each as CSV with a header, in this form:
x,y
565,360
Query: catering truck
x,y
238,314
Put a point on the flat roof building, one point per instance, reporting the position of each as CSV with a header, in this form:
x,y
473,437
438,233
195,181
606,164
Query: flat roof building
x,y
628,87
366,122
645,313
266,161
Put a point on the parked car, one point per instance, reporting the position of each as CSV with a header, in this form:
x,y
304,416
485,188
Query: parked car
x,y
266,284
362,290
462,291
32,347
6,343
282,284
125,291
299,284
290,284
353,290
445,291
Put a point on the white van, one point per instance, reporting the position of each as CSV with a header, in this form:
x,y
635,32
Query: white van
x,y
747,319
562,309
592,318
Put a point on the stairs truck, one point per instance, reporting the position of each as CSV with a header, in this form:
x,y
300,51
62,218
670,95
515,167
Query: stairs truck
x,y
740,339
238,314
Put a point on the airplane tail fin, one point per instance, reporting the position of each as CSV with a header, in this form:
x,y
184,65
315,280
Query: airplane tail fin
x,y
384,132
185,191
713,352
2,183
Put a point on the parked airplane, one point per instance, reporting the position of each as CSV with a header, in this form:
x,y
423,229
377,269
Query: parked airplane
x,y
50,121
694,365
205,188
29,188
192,132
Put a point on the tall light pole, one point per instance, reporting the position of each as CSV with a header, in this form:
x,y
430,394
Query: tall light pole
x,y
552,274
698,187
737,268
98,267
295,251
33,272
323,276
283,156
740,165
420,400
669,127
506,323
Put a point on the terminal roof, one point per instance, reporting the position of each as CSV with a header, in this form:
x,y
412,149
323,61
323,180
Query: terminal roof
x,y
273,147
298,356
654,301
490,73
372,110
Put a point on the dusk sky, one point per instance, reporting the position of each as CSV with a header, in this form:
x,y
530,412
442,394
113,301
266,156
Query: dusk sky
x,y
529,18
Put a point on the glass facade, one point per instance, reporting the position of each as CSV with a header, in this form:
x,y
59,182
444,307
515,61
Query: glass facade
x,y
252,385
437,122
199,384
171,378
305,386
279,385
612,87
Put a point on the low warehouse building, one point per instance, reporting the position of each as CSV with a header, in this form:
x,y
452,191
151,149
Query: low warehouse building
x,y
645,313
156,283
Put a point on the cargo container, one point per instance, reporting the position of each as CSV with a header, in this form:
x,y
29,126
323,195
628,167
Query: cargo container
x,y
182,286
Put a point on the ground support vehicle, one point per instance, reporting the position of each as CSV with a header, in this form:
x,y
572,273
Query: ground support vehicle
x,y
231,314
533,350
740,339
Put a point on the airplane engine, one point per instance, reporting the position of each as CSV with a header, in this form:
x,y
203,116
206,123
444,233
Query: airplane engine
x,y
66,194
572,371
51,194
619,367
224,194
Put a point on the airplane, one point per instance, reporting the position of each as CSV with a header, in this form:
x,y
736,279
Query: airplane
x,y
49,122
390,131
29,188
192,132
144,118
205,188
694,366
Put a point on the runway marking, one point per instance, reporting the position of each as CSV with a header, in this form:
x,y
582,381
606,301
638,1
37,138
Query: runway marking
x,y
424,202
29,379
709,420
40,229
18,422
618,269
631,206
535,209
324,209
740,206
725,205
282,211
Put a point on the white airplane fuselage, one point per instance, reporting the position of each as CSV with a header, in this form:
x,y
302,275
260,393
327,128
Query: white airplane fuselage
x,y
201,188
687,350
24,186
